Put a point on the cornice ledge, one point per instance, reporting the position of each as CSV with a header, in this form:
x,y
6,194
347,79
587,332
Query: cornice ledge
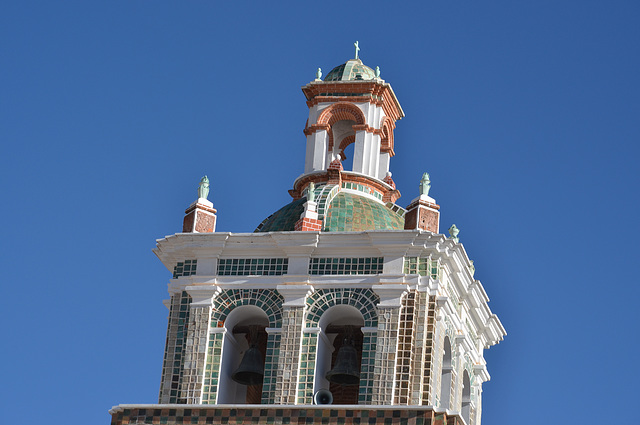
x,y
295,295
390,294
202,296
296,244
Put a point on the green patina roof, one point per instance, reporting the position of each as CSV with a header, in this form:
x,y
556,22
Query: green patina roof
x,y
347,212
350,71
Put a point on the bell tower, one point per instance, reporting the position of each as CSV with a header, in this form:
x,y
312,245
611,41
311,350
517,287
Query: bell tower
x,y
352,105
342,307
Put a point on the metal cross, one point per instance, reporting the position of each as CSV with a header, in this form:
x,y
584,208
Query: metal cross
x,y
357,48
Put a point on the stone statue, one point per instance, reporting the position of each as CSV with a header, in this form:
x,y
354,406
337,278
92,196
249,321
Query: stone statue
x,y
425,184
377,72
203,188
319,74
357,48
311,196
453,233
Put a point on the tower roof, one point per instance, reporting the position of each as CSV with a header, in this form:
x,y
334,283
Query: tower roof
x,y
352,69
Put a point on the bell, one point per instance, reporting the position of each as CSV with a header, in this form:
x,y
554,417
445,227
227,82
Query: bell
x,y
251,369
346,370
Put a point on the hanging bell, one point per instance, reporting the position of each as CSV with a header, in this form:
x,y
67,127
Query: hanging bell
x,y
346,370
251,369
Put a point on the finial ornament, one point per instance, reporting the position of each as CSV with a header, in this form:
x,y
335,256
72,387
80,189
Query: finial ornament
x,y
357,48
425,184
319,74
453,233
203,188
311,196
377,72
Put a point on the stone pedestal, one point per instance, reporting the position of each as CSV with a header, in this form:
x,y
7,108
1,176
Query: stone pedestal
x,y
423,213
200,217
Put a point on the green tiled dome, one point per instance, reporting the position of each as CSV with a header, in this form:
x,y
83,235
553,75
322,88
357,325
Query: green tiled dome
x,y
284,219
352,213
347,212
353,69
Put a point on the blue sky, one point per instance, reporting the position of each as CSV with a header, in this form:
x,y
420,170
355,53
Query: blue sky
x,y
526,115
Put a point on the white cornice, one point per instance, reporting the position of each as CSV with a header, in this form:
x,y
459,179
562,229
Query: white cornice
x,y
392,245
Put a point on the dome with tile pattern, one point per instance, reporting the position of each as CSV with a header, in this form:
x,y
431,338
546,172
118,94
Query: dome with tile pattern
x,y
346,212
351,70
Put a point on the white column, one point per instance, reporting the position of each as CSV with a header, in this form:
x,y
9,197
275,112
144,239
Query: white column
x,y
359,155
316,151
383,165
374,155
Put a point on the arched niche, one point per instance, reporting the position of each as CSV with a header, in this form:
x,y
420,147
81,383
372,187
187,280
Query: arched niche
x,y
466,397
344,143
445,379
237,339
337,324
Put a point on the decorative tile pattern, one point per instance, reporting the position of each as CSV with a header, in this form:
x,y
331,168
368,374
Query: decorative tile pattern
x,y
195,351
405,344
324,198
287,372
385,355
174,349
320,301
268,300
185,268
429,366
271,368
423,266
419,348
367,367
275,415
212,370
307,367
362,188
252,266
364,299
352,213
346,266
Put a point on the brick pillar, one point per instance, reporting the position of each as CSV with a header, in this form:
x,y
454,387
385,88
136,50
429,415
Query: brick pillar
x,y
387,341
293,310
200,217
309,219
335,172
423,213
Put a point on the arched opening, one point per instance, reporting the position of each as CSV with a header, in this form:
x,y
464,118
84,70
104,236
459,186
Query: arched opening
x,y
344,138
445,380
466,397
244,330
340,333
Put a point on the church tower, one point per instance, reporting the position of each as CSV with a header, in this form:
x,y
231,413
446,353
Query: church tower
x,y
343,307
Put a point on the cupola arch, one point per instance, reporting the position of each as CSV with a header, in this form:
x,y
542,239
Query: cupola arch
x,y
341,111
